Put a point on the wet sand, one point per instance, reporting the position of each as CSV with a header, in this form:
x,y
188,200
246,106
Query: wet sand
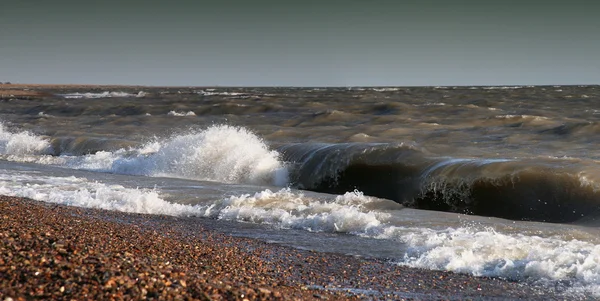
x,y
60,252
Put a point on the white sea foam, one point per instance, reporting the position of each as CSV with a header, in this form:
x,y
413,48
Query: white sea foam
x,y
219,153
594,112
189,113
525,117
355,89
234,95
385,89
470,249
22,143
485,252
105,94
212,92
79,192
288,209
502,87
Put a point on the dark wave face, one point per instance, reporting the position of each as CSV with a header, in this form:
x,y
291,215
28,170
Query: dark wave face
x,y
550,191
523,153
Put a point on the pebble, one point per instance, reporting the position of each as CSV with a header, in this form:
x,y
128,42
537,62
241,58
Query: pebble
x,y
118,256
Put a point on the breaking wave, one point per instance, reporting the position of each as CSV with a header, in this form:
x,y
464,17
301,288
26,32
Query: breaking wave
x,y
535,190
189,113
22,143
219,153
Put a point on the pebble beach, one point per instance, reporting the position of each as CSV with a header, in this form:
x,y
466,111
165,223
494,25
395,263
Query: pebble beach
x,y
60,252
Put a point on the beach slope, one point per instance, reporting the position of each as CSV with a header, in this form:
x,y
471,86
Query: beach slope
x,y
61,252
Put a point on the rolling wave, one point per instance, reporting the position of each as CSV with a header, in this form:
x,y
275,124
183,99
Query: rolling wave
x,y
532,189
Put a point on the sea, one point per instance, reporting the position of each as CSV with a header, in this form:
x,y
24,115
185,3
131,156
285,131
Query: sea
x,y
499,181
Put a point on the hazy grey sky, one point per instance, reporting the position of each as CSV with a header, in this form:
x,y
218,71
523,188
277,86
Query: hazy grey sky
x,y
300,43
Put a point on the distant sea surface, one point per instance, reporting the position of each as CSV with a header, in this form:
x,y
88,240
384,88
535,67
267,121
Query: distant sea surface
x,y
490,181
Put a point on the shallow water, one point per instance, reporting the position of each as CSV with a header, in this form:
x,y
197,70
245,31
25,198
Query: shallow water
x,y
495,181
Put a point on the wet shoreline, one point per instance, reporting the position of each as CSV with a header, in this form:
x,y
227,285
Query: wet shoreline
x,y
57,251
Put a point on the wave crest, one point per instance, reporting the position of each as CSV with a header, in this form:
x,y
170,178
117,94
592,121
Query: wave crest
x,y
22,143
219,153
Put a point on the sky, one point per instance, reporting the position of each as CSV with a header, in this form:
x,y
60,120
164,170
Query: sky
x,y
300,43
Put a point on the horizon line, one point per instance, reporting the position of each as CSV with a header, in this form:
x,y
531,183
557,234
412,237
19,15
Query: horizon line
x,y
16,85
